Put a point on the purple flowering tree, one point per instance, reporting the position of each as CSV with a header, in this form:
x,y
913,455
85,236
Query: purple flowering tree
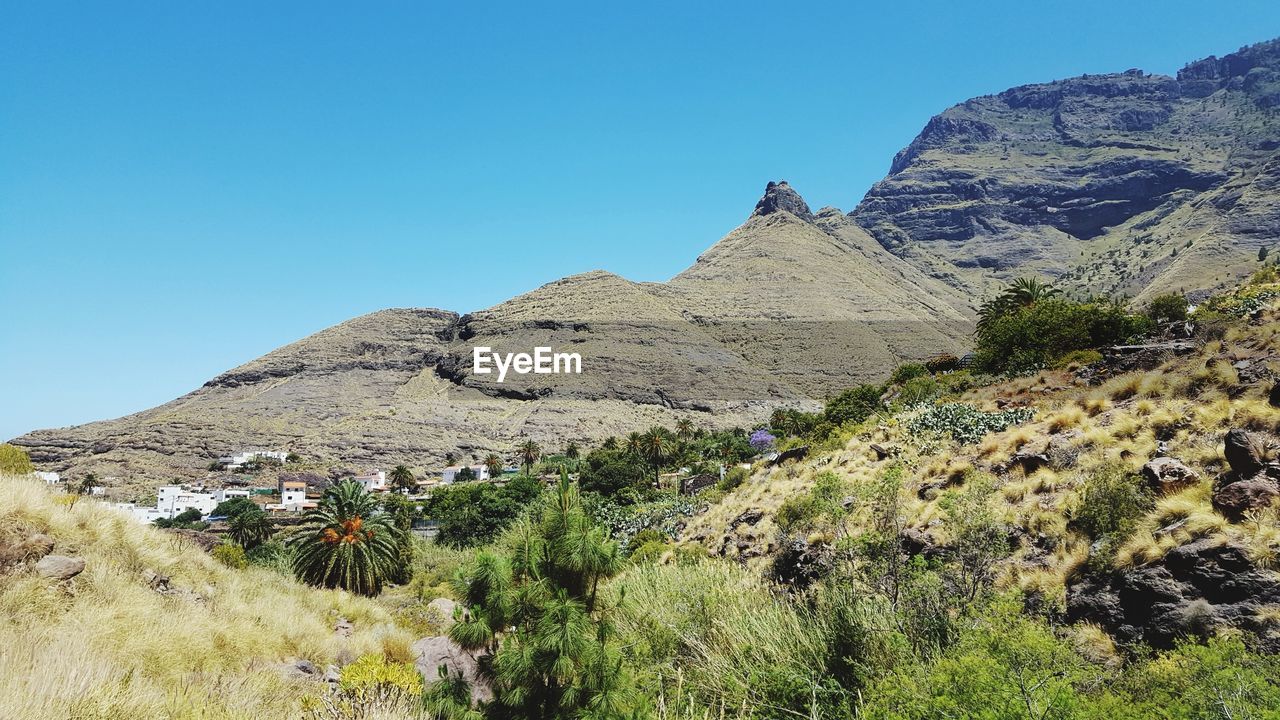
x,y
762,440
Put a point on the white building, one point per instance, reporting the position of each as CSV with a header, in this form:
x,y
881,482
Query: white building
x,y
374,481
172,500
222,495
235,461
50,478
451,472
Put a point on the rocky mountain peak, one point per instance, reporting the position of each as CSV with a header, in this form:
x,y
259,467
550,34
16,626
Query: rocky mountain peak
x,y
780,196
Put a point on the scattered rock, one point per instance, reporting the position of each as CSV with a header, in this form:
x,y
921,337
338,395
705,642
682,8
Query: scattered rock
x,y
299,670
204,540
332,674
439,650
1245,453
37,546
1274,396
156,581
1166,474
440,612
747,517
1237,498
344,628
60,567
1028,461
883,452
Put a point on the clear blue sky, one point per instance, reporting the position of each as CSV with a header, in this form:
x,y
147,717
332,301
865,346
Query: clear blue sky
x,y
182,190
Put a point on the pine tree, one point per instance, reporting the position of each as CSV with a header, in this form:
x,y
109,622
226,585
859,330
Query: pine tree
x,y
536,611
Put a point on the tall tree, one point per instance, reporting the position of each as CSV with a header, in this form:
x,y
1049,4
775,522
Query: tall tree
x,y
571,450
529,453
1021,293
402,479
657,446
684,428
493,464
346,542
537,612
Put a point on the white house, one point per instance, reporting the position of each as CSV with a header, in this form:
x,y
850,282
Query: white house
x,y
222,495
172,500
240,458
50,478
374,481
451,473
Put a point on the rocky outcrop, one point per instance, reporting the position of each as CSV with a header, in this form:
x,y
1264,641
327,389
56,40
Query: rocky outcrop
x,y
1252,482
439,653
778,196
60,567
1195,590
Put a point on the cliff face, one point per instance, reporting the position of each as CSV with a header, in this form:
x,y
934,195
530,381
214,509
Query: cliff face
x,y
1126,183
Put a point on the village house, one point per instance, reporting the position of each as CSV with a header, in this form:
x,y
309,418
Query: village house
x,y
450,473
50,478
375,481
239,459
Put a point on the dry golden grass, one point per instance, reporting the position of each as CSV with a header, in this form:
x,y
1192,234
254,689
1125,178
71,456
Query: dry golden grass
x,y
1067,418
105,646
1177,520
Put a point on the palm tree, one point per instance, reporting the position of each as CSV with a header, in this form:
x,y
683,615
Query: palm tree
x,y
657,447
250,528
684,428
494,464
529,454
633,443
402,479
571,450
1022,293
346,542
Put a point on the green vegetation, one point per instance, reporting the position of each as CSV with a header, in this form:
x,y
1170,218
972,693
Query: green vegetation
x,y
347,542
964,423
14,460
1024,337
537,609
475,513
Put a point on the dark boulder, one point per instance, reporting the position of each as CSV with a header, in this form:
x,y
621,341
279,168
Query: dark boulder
x,y
1245,453
1234,499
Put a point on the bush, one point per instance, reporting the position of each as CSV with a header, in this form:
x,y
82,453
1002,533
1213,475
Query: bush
x,y
734,477
853,405
233,507
965,424
918,390
1111,502
231,555
909,371
1078,358
610,472
14,460
1034,336
1167,308
942,363
475,513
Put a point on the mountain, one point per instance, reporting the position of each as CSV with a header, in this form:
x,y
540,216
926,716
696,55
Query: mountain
x,y
1125,183
786,309
1128,184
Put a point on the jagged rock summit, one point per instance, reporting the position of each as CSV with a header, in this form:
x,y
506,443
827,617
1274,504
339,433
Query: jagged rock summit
x,y
779,196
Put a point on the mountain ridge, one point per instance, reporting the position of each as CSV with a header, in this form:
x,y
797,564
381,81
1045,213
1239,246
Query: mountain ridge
x,y
1122,183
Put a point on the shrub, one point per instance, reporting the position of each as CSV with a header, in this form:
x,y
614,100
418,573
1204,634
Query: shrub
x,y
1168,308
762,440
965,424
853,405
14,460
918,390
1078,358
1111,503
906,372
610,472
942,363
1034,336
734,477
231,555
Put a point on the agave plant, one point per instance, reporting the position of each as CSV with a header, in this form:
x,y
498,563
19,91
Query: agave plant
x,y
346,542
